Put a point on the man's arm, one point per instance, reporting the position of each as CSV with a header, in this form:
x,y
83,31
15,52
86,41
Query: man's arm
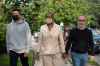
x,y
29,38
91,43
68,44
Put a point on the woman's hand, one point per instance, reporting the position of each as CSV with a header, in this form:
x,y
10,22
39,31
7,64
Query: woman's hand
x,y
64,55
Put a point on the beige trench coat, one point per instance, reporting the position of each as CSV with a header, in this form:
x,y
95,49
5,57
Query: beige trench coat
x,y
51,46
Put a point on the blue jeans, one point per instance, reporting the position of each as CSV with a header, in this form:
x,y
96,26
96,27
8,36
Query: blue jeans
x,y
79,59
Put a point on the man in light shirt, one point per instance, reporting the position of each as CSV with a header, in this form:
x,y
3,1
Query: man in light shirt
x,y
18,38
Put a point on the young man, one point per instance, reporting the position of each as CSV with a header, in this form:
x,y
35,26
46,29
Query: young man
x,y
80,41
18,38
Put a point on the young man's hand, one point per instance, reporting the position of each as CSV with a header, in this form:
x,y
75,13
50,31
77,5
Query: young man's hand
x,y
25,54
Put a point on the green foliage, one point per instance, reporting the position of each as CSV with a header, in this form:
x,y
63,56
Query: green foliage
x,y
35,11
95,11
2,37
65,11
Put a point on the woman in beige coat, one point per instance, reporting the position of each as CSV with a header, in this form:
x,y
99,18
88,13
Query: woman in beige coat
x,y
51,44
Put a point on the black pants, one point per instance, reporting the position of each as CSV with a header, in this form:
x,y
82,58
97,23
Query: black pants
x,y
14,59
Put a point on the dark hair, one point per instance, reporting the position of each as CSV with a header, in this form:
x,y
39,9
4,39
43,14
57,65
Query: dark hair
x,y
16,9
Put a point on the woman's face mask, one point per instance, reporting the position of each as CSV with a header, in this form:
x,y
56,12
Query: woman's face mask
x,y
49,21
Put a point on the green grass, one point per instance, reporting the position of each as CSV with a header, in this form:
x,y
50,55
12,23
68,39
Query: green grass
x,y
4,60
93,63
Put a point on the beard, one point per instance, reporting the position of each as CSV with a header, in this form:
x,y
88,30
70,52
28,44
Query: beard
x,y
15,18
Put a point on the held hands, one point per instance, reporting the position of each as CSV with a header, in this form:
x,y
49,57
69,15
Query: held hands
x,y
64,55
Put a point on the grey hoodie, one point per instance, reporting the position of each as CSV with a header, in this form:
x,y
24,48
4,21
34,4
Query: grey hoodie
x,y
18,37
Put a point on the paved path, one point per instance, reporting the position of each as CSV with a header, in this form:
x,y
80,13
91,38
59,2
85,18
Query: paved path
x,y
97,59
